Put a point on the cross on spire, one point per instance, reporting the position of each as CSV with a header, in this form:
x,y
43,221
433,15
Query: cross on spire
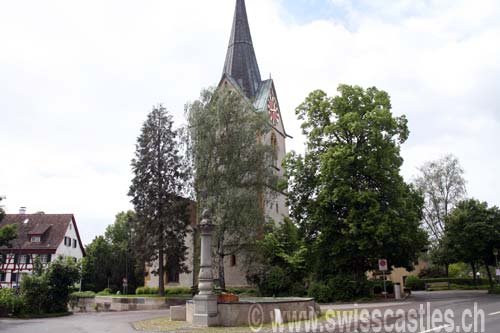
x,y
241,63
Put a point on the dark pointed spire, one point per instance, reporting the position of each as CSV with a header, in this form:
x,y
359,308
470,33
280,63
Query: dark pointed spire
x,y
241,63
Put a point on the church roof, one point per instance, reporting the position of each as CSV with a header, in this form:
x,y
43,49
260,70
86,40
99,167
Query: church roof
x,y
241,62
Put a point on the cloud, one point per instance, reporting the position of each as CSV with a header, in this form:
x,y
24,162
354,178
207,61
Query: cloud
x,y
78,78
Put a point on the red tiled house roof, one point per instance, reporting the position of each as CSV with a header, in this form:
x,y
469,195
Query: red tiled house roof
x,y
51,227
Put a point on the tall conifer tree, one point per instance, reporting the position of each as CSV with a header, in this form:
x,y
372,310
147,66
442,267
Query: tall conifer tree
x,y
159,177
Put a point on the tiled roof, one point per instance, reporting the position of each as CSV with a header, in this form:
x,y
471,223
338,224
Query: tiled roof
x,y
52,227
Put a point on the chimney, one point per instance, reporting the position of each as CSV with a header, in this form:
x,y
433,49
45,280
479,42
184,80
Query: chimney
x,y
22,210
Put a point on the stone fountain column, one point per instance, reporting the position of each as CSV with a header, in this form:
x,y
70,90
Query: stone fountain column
x,y
205,303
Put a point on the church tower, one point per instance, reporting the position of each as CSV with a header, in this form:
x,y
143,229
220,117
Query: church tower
x,y
241,72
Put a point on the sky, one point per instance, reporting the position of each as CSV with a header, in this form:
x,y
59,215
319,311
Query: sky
x,y
77,79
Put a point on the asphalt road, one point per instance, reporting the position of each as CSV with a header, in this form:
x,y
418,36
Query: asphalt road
x,y
425,306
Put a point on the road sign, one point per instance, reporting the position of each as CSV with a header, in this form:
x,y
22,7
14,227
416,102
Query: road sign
x,y
498,271
382,265
125,281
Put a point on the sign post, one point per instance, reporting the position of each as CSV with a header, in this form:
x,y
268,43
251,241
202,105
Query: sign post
x,y
382,266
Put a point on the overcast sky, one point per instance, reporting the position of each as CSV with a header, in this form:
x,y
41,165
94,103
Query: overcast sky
x,y
77,79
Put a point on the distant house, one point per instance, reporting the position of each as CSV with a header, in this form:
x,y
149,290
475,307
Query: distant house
x,y
39,235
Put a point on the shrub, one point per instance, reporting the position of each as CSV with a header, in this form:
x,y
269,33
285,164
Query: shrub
x,y
61,275
149,291
35,291
10,303
82,294
458,281
320,292
105,292
414,283
494,291
378,287
178,291
340,288
249,291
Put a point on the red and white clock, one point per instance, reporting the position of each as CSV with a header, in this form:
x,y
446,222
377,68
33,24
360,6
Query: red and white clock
x,y
274,112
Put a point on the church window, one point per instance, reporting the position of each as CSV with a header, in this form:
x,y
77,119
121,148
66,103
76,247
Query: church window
x,y
274,144
232,261
277,208
173,275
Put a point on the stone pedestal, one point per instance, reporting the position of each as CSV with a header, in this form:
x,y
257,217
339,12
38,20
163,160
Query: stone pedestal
x,y
205,311
205,303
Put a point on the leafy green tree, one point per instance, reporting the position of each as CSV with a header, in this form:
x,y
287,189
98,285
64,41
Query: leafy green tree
x,y
159,177
473,232
2,212
279,267
110,258
98,265
121,235
443,185
233,173
347,193
7,233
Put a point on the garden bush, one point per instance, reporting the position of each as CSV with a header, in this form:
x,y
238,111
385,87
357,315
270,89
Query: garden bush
x,y
414,283
10,303
494,291
82,294
378,287
459,281
105,292
340,288
320,292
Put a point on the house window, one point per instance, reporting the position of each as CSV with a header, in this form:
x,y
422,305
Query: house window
x,y
3,276
35,239
2,258
74,243
232,260
24,259
45,258
13,277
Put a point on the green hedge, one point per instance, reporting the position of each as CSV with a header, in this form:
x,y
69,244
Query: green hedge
x,y
243,291
340,288
414,283
494,291
105,292
82,294
459,281
168,291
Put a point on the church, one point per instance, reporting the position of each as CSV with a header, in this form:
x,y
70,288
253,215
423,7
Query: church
x,y
241,73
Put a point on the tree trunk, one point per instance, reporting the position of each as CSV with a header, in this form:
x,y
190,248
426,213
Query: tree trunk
x,y
222,276
490,277
161,275
473,265
447,270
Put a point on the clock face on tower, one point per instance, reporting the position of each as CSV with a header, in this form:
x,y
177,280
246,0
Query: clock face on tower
x,y
274,112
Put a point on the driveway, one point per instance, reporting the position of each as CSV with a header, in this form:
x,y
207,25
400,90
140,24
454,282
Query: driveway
x,y
113,322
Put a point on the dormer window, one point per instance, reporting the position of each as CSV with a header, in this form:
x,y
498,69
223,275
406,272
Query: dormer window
x,y
36,239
